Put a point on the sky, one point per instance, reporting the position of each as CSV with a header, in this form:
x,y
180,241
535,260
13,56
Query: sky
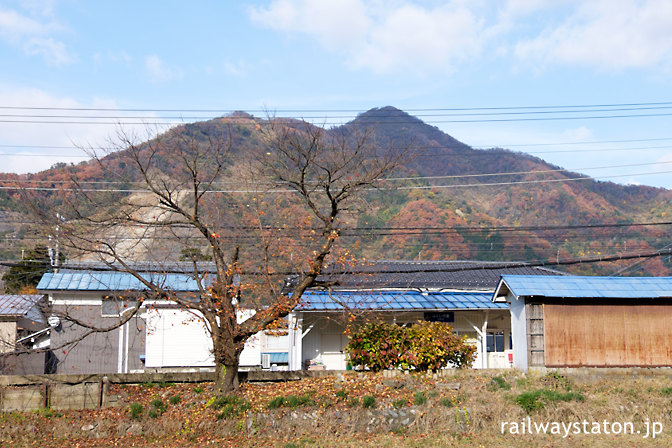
x,y
585,85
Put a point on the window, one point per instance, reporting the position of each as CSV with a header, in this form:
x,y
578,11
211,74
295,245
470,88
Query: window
x,y
495,341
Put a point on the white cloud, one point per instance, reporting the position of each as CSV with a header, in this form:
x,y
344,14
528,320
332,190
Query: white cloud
x,y
22,159
414,37
34,37
613,34
333,22
14,26
158,70
431,37
55,53
387,37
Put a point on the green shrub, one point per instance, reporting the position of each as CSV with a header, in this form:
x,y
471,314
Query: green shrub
x,y
400,403
157,403
175,399
220,401
377,346
230,405
422,346
353,402
369,402
666,390
277,402
419,398
48,413
198,390
498,383
233,410
154,413
535,400
135,410
434,346
341,394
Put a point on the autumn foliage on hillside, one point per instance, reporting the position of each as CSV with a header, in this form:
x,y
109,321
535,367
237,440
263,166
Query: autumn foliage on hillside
x,y
448,201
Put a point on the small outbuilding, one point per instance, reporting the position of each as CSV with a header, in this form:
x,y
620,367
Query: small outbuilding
x,y
160,336
404,292
579,321
24,335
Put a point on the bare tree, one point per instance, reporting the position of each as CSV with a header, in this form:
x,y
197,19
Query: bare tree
x,y
258,212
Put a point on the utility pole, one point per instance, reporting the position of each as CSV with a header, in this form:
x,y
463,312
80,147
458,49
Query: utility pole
x,y
54,253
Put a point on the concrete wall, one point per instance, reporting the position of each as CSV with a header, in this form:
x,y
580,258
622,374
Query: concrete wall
x,y
25,393
87,395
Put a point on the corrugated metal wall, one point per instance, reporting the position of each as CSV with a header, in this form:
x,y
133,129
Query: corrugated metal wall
x,y
609,334
98,352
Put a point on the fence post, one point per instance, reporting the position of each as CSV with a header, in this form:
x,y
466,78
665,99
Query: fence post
x,y
100,393
45,395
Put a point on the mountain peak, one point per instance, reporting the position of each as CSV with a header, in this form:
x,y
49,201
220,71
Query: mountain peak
x,y
378,113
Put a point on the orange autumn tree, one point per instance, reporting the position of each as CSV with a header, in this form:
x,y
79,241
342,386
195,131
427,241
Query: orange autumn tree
x,y
258,212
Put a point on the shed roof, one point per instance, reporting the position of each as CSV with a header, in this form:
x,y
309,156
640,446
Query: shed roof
x,y
113,281
396,301
22,305
456,275
583,287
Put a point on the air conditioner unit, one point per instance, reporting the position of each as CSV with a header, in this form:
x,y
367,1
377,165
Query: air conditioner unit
x,y
265,361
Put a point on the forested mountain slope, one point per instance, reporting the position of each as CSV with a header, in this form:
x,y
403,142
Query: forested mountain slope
x,y
447,202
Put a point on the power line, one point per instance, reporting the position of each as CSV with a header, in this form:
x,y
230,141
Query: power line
x,y
435,268
387,189
481,147
283,110
496,228
413,178
499,145
444,113
336,123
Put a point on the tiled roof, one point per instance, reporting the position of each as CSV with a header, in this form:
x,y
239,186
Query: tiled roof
x,y
396,300
112,281
459,275
586,287
21,305
173,267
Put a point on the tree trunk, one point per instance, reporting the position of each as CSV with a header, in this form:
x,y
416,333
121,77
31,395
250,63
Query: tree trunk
x,y
226,375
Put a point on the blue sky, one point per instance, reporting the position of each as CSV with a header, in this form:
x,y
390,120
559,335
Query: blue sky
x,y
347,55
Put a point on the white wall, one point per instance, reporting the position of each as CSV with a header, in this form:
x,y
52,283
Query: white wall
x,y
518,332
179,338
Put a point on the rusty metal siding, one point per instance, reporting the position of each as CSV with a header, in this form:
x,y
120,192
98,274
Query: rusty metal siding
x,y
611,334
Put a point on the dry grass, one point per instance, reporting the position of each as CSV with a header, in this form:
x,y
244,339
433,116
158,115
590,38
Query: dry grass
x,y
326,412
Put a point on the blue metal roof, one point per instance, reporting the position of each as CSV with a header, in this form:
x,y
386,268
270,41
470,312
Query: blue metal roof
x,y
113,281
396,300
585,287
